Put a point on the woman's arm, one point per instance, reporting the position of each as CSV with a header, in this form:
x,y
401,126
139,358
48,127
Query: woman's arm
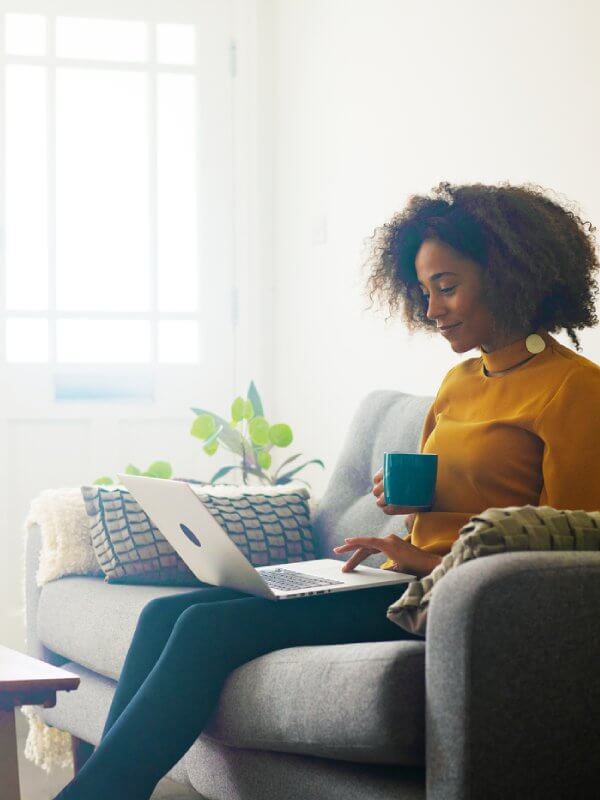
x,y
424,562
570,430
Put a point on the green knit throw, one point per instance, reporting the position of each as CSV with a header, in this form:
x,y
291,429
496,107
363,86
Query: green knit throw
x,y
498,530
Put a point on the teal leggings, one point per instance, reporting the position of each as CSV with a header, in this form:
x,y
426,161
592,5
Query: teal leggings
x,y
183,649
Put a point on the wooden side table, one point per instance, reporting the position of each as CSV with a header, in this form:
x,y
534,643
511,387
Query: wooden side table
x,y
24,681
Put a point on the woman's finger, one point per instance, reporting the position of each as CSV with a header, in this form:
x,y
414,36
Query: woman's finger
x,y
391,509
352,545
344,548
365,541
356,558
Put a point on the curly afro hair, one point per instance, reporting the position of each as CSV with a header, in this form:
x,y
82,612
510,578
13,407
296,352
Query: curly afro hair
x,y
538,259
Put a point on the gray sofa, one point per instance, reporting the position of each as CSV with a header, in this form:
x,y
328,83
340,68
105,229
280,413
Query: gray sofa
x,y
502,700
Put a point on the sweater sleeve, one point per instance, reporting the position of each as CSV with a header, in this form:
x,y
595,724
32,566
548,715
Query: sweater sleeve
x,y
440,529
568,426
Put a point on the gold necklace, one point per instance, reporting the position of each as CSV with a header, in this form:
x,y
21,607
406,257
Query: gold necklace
x,y
508,369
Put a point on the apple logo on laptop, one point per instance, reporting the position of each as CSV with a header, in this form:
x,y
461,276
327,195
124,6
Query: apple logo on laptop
x,y
190,534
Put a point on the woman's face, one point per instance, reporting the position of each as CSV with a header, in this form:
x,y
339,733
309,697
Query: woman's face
x,y
454,286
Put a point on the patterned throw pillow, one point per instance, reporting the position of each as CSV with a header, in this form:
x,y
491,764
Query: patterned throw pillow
x,y
269,524
498,530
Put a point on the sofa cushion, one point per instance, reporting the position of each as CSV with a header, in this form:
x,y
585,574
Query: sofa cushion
x,y
84,712
357,702
92,622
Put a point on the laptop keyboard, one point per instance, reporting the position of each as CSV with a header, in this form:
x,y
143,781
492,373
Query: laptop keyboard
x,y
286,581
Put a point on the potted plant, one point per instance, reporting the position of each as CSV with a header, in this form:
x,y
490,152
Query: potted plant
x,y
248,435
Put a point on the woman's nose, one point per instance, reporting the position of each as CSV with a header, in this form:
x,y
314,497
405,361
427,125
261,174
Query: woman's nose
x,y
435,307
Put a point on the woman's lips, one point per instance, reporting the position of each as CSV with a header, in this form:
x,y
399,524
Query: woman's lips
x,y
450,331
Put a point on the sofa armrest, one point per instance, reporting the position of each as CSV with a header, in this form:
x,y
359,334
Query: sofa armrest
x,y
512,684
35,647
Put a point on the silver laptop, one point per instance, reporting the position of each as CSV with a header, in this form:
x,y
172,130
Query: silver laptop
x,y
206,548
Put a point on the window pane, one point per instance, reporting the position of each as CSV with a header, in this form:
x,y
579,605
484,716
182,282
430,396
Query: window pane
x,y
102,191
176,44
106,39
25,34
178,341
177,204
90,341
105,383
27,340
26,200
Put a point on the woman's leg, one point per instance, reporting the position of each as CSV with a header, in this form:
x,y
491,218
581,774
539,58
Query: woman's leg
x,y
208,641
152,631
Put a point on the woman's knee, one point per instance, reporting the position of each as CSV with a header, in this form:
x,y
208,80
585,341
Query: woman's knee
x,y
169,607
215,620
157,613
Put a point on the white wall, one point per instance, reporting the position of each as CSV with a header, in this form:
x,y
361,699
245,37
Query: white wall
x,y
378,100
252,29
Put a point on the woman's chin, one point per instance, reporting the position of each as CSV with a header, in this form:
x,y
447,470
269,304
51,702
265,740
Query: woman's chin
x,y
460,345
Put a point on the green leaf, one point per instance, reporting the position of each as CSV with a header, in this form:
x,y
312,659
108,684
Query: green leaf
x,y
203,426
104,481
159,469
254,397
287,461
264,459
281,481
293,472
280,434
258,429
230,438
214,436
131,470
211,448
237,409
248,409
221,472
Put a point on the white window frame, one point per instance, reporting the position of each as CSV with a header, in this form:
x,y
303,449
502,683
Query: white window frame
x,y
217,312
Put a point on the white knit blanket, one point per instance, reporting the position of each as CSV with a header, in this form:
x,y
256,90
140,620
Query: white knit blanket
x,y
67,550
65,531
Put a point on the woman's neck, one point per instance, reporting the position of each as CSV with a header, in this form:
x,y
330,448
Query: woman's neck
x,y
500,342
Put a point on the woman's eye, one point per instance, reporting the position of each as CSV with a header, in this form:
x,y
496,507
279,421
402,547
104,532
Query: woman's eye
x,y
443,291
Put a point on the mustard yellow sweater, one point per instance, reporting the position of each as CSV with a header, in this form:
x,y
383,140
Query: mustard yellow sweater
x,y
531,436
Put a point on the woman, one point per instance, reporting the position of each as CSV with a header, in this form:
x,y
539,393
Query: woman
x,y
497,268
491,267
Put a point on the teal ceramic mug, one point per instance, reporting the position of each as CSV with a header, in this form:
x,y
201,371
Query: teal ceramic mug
x,y
409,479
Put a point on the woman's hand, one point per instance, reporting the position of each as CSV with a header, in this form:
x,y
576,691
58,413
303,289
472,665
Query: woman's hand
x,y
378,491
406,557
